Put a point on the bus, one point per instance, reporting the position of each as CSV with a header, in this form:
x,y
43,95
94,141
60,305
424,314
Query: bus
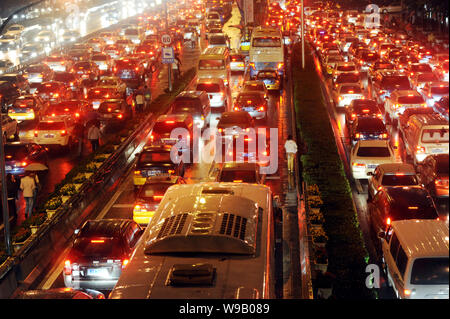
x,y
266,51
207,240
214,62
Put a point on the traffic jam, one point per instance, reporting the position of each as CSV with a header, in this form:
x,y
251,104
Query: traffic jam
x,y
201,103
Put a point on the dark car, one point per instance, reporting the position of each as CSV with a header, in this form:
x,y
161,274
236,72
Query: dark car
x,y
433,173
38,73
232,123
72,80
77,55
253,102
368,128
149,196
361,108
101,249
156,161
365,58
400,203
86,69
386,81
129,70
19,155
8,93
61,293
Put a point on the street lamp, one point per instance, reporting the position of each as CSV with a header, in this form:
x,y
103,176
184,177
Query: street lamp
x,y
4,196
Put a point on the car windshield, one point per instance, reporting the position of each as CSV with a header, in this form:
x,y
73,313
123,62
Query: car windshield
x,y
350,89
154,157
109,107
211,64
399,180
430,271
439,90
64,77
166,127
234,119
238,176
371,125
217,39
421,68
396,82
49,126
208,87
24,103
267,42
373,151
427,77
346,68
435,135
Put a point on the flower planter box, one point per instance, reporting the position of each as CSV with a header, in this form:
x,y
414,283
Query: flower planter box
x,y
321,267
98,164
17,245
77,186
319,244
50,213
88,174
324,293
34,229
65,198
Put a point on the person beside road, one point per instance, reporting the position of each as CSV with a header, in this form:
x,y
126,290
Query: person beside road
x,y
147,96
139,101
176,67
27,186
12,186
94,135
79,134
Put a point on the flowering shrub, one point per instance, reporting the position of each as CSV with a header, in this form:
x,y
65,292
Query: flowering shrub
x,y
53,203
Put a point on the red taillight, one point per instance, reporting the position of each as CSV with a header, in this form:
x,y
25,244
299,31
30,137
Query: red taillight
x,y
23,164
236,108
35,133
157,197
120,116
220,130
388,221
63,132
97,241
125,262
77,114
353,115
358,135
261,109
67,268
420,149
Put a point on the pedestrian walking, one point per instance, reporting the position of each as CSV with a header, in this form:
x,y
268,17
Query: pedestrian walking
x,y
12,186
147,96
27,186
94,135
176,67
79,134
37,188
291,149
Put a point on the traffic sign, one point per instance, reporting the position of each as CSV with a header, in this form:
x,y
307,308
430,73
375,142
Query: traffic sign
x,y
166,39
168,55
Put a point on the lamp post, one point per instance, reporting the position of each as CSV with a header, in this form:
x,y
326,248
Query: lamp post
x,y
169,65
4,192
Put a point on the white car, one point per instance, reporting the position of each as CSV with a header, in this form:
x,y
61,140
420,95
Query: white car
x,y
392,174
434,91
366,155
55,133
5,65
15,29
343,67
345,93
399,101
112,82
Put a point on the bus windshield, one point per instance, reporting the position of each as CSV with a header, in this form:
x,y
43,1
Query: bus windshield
x,y
271,42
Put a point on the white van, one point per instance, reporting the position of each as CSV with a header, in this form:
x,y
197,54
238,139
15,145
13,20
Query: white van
x,y
215,63
415,256
425,134
266,51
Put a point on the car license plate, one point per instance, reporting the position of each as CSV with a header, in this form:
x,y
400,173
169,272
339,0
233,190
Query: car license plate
x,y
8,168
97,272
248,109
153,173
96,104
108,116
372,166
437,150
49,135
169,141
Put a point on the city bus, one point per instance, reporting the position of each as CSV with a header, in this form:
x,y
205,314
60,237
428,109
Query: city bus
x,y
208,240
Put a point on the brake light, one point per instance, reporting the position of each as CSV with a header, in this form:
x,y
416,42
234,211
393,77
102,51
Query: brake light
x,y
97,241
379,115
407,292
420,149
236,108
384,135
63,133
353,115
261,109
388,221
220,130
23,164
35,133
157,197
137,172
120,116
67,268
358,164
170,122
280,66
125,263
77,114
358,135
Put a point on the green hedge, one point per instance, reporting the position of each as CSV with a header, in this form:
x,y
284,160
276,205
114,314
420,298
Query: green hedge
x,y
323,166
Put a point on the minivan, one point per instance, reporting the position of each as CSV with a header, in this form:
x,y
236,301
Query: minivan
x,y
195,103
215,63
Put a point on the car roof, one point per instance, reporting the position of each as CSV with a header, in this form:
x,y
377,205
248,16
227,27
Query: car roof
x,y
406,92
208,80
423,238
181,117
234,166
372,143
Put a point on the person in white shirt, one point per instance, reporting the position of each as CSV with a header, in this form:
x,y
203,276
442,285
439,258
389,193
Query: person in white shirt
x,y
291,149
28,185
94,135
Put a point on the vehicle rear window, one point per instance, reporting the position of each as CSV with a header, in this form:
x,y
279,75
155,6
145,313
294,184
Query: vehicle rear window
x,y
48,87
445,66
99,92
122,64
439,90
154,157
253,87
98,247
211,64
266,75
435,135
244,98
187,105
24,103
430,271
34,69
427,77
208,87
131,32
99,57
238,176
237,58
217,39
347,78
54,59
109,106
371,151
415,99
371,124
51,126
236,119
350,90
368,56
442,167
399,180
165,127
82,65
